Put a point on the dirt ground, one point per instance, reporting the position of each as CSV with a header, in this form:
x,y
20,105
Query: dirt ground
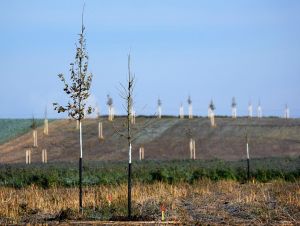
x,y
163,139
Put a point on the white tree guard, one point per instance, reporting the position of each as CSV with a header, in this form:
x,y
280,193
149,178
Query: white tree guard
x,y
44,156
35,143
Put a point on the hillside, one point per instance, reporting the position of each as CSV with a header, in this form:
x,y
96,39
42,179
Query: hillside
x,y
163,139
12,128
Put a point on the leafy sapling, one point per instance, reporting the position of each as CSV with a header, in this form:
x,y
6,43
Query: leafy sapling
x,y
77,88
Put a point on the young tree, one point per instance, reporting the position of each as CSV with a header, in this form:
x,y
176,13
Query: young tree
x,y
286,112
250,109
33,126
189,100
110,108
181,112
127,94
233,108
129,102
211,107
128,130
259,110
77,89
159,103
211,113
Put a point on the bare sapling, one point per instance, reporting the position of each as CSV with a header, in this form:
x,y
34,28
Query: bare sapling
x,y
141,153
77,88
34,132
211,111
127,94
286,112
28,156
44,156
159,109
189,100
233,108
250,110
129,101
181,112
128,130
46,126
110,108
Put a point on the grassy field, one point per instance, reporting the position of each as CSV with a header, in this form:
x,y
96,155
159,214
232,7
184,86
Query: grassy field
x,y
172,172
204,202
12,128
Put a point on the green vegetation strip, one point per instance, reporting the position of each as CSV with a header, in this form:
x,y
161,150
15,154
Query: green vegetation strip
x,y
112,173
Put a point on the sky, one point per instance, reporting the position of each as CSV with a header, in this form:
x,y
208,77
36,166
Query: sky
x,y
216,50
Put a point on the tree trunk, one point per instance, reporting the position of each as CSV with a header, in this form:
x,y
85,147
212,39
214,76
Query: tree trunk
x,y
248,162
80,168
129,183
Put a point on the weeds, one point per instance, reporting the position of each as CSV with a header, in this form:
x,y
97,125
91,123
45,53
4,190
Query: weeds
x,y
203,201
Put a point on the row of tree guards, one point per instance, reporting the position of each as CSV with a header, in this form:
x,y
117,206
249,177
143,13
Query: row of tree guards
x,y
192,143
35,140
211,109
28,156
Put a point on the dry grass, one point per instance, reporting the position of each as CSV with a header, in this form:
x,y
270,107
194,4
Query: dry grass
x,y
204,201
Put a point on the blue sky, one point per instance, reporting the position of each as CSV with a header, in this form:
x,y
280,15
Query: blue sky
x,y
206,49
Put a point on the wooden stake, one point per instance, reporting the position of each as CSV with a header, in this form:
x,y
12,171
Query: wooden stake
x,y
163,210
